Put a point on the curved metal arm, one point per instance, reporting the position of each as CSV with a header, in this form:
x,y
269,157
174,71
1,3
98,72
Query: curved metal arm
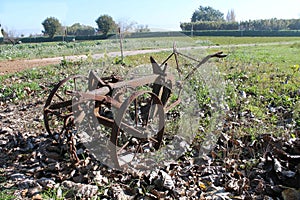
x,y
204,60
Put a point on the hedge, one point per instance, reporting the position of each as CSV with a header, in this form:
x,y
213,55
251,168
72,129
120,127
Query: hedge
x,y
239,33
63,38
250,25
233,33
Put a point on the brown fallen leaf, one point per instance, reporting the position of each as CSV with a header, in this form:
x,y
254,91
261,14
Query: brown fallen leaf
x,y
291,194
37,197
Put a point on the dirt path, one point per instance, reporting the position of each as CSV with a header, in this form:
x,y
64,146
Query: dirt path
x,y
12,66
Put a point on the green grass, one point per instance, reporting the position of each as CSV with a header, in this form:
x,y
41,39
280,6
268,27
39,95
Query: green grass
x,y
270,76
35,82
5,193
248,40
54,194
54,49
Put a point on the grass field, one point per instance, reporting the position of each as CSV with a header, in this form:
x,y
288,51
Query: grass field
x,y
55,49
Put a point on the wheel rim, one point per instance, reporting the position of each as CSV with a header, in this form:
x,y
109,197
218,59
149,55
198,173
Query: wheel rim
x,y
138,128
58,115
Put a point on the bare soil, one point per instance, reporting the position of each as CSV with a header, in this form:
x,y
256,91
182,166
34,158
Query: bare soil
x,y
12,66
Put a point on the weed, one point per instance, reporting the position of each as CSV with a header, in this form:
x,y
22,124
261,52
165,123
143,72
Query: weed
x,y
7,194
54,194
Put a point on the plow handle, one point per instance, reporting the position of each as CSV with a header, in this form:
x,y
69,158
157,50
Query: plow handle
x,y
204,60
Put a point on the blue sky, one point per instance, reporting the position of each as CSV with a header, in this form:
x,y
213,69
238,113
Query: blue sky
x,y
25,17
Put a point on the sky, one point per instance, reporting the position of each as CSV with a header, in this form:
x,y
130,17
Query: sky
x,y
25,17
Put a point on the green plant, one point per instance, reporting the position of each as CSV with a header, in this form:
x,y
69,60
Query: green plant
x,y
105,24
52,26
54,194
118,61
64,62
7,194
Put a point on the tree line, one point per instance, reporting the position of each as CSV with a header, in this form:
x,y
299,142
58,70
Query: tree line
x,y
250,25
207,18
105,25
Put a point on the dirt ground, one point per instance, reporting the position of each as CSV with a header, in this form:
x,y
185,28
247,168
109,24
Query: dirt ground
x,y
12,66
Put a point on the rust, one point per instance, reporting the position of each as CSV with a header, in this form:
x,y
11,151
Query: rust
x,y
142,107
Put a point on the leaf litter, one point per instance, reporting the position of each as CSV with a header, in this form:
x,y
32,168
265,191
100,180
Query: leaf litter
x,y
238,167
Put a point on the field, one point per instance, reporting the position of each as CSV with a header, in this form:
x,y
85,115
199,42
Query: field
x,y
54,49
256,154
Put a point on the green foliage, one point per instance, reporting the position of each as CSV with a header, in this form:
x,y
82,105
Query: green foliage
x,y
80,29
261,84
210,25
207,14
32,82
250,25
52,26
6,194
117,60
64,62
295,68
294,24
54,194
270,24
242,33
18,90
106,24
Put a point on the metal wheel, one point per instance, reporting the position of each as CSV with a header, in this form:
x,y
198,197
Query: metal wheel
x,y
138,128
58,114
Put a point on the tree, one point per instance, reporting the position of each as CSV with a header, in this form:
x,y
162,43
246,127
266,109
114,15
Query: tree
x,y
80,29
106,24
207,14
230,17
142,28
126,26
294,24
52,26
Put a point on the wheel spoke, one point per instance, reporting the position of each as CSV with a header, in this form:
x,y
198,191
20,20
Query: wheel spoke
x,y
75,84
149,116
154,140
123,147
136,112
136,121
59,103
62,99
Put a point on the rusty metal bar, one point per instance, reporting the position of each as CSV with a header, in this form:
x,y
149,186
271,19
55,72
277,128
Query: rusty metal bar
x,y
204,60
130,83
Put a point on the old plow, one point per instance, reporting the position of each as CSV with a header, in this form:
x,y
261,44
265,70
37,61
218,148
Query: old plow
x,y
132,110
